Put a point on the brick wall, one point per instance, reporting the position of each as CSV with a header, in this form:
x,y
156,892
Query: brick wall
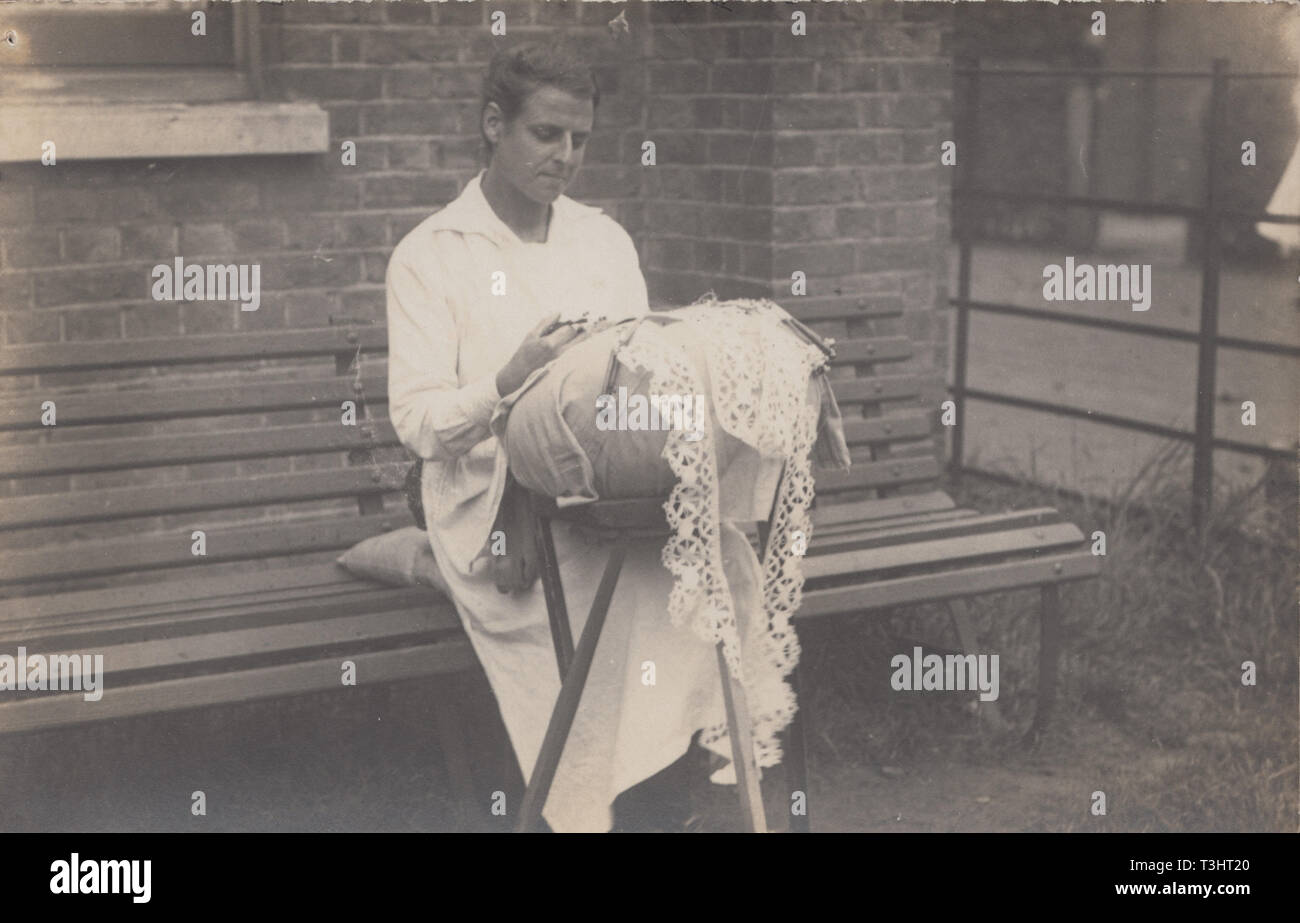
x,y
709,114
818,153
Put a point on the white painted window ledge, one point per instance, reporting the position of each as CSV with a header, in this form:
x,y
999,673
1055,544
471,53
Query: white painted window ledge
x,y
116,131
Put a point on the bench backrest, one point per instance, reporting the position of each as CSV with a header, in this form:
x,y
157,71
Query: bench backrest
x,y
242,436
889,411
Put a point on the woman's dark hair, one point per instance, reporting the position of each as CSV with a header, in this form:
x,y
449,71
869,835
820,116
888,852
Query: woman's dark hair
x,y
517,72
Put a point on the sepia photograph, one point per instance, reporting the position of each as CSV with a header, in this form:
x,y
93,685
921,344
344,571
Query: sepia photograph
x,y
649,416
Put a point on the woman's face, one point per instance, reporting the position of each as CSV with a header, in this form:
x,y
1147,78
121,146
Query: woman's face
x,y
540,151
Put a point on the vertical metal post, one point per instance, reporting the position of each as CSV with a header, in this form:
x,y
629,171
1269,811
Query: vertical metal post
x,y
552,585
1211,257
960,348
966,178
1049,656
248,45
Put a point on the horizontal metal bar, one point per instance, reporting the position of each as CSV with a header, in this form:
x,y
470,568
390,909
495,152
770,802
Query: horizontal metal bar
x,y
1078,320
1093,416
1129,205
1151,330
1090,72
1163,333
1258,346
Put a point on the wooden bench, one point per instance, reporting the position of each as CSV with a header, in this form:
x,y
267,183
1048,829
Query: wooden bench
x,y
240,436
260,461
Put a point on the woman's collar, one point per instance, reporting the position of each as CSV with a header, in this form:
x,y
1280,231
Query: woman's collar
x,y
470,213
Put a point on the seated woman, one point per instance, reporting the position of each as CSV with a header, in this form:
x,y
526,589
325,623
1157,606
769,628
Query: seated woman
x,y
472,291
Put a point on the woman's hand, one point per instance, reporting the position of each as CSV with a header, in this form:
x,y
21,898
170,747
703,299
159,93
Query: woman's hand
x,y
536,350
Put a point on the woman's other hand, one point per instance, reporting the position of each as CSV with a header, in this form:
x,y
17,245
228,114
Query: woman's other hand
x,y
537,349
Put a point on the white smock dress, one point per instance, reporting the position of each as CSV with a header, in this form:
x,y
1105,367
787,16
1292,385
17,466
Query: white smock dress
x,y
463,291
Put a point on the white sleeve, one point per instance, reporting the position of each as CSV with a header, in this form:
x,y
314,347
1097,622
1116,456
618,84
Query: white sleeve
x,y
434,416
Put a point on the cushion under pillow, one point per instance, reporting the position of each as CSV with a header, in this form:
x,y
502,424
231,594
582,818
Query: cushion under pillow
x,y
400,558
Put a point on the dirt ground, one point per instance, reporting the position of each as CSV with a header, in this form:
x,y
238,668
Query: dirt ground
x,y
371,762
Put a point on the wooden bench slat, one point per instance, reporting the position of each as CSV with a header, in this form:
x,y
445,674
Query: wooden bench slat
x,y
65,709
829,534
891,472
897,591
113,556
241,398
202,650
866,510
939,516
63,457
872,349
837,518
139,597
942,550
885,429
204,348
877,388
191,497
845,307
245,397
275,609
845,537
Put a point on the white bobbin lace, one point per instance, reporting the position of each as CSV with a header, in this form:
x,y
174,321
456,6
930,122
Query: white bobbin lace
x,y
759,371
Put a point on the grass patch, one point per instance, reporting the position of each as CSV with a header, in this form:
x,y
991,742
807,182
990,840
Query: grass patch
x,y
1152,649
